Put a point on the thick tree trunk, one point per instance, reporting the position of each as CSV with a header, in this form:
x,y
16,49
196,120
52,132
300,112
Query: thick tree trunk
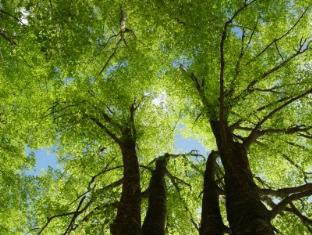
x,y
245,211
128,219
155,219
211,220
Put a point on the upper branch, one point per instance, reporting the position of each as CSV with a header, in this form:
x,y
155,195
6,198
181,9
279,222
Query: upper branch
x,y
199,85
275,40
255,132
133,108
103,127
49,219
222,112
222,60
122,31
268,131
77,213
305,220
109,58
281,206
285,192
303,46
238,64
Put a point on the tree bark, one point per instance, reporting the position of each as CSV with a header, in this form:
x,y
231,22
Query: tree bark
x,y
211,220
128,219
245,211
155,219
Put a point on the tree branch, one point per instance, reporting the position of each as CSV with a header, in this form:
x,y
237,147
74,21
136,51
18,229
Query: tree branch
x,y
304,173
268,131
299,51
77,212
285,192
107,131
304,219
281,206
109,58
279,38
255,132
303,47
49,219
222,112
237,66
176,186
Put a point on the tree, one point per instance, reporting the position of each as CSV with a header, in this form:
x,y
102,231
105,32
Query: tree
x,y
109,84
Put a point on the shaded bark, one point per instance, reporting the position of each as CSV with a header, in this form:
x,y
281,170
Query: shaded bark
x,y
155,219
211,220
245,211
128,219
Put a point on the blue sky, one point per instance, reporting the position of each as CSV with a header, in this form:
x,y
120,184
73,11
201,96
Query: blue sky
x,y
187,144
45,158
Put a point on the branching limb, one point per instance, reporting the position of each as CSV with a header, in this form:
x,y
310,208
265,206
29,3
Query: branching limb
x,y
122,31
192,153
279,38
286,192
99,208
303,172
222,112
289,199
308,136
278,50
49,219
301,49
76,214
255,132
271,90
109,186
304,45
79,211
106,130
109,59
101,173
268,131
237,65
176,186
199,85
304,219
241,119
177,180
133,108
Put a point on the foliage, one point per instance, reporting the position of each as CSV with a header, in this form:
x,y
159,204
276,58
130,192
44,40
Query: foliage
x,y
70,74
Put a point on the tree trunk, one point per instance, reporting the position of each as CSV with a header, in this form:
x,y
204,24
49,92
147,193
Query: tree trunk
x,y
211,220
155,219
245,211
128,219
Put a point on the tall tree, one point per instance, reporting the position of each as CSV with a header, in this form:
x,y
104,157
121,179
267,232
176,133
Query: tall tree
x,y
155,219
109,84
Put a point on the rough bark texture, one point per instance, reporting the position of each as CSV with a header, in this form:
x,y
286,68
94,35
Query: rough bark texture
x,y
211,220
245,211
128,219
155,219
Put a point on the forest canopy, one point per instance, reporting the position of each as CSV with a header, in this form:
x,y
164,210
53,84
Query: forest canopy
x,y
109,85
